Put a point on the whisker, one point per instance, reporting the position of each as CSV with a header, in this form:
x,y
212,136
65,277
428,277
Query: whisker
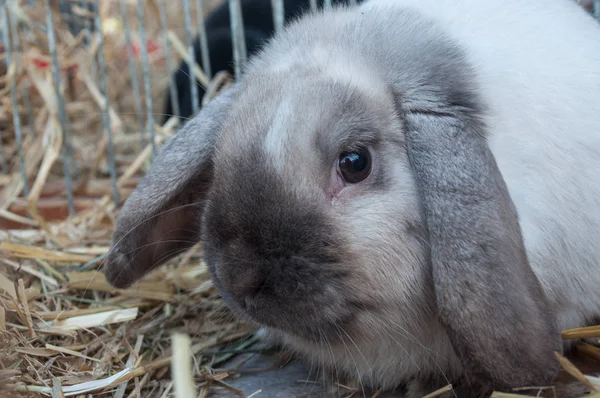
x,y
427,352
121,113
371,373
346,348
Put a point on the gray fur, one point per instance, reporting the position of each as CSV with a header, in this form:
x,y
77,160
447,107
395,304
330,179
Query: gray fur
x,y
162,216
488,298
492,304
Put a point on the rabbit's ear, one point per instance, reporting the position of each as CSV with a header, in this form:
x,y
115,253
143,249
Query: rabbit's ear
x,y
162,216
489,300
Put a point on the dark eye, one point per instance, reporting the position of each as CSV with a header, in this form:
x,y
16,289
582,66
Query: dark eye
x,y
355,166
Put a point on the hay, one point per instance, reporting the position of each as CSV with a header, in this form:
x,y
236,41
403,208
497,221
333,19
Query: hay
x,y
64,331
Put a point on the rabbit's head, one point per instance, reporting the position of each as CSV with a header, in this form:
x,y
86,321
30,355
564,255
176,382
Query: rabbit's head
x,y
335,207
305,202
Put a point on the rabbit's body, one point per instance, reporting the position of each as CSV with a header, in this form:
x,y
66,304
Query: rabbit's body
x,y
481,121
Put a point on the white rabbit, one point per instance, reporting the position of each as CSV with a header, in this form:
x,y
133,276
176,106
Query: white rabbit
x,y
406,192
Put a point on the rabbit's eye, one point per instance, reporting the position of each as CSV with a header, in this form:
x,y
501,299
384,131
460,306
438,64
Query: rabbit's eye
x,y
355,166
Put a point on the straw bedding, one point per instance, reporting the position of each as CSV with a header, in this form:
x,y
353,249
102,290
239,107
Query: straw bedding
x,y
63,330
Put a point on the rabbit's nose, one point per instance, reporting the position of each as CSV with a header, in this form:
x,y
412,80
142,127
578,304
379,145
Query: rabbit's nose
x,y
245,291
243,282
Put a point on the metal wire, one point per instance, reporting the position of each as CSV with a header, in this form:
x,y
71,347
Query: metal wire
x,y
13,95
105,115
26,85
278,14
14,35
28,110
137,102
147,87
3,161
238,37
170,64
62,114
94,66
6,21
203,40
191,55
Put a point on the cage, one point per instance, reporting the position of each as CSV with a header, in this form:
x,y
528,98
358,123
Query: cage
x,y
83,88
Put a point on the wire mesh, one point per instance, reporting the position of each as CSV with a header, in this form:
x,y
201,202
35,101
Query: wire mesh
x,y
82,81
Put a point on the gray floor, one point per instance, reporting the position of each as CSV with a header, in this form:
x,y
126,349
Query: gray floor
x,y
284,380
276,377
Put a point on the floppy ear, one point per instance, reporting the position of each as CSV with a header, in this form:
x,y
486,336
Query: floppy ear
x,y
489,300
162,216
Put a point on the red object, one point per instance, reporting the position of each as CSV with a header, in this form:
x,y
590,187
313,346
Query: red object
x,y
151,45
43,64
40,64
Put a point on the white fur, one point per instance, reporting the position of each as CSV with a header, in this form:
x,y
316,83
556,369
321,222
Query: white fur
x,y
279,133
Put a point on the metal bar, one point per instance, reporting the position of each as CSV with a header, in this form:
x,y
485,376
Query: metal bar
x,y
170,66
29,110
15,39
62,113
26,84
147,87
93,63
203,40
313,5
135,86
278,15
3,161
326,4
597,9
191,55
13,90
238,36
105,114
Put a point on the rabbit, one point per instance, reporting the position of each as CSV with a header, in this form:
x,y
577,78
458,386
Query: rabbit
x,y
405,193
258,27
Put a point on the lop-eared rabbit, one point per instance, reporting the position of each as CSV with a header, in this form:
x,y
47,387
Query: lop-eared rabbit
x,y
406,192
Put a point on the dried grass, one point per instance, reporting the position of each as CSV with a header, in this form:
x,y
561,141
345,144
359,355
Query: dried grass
x,y
64,331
